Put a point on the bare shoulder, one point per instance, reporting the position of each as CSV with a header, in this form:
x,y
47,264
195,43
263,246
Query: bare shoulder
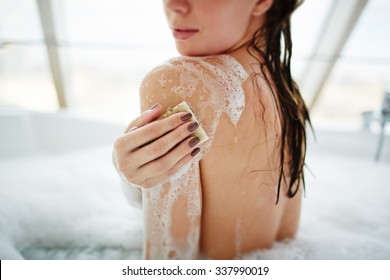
x,y
156,87
170,83
193,79
210,86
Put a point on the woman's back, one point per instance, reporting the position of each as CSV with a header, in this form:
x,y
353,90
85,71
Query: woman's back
x,y
231,193
240,179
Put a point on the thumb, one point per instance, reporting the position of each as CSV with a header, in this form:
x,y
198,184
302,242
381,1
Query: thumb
x,y
146,117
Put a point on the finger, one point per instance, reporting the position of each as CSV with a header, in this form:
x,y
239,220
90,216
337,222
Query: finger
x,y
146,117
169,160
131,128
155,149
144,135
165,143
143,177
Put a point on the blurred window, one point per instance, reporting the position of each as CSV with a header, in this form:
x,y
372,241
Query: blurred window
x,y
25,78
362,73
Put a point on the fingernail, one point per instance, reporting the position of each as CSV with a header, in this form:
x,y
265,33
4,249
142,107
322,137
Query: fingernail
x,y
195,151
193,126
186,117
154,106
194,141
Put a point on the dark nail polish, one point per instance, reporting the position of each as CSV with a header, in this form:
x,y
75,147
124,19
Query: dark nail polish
x,y
195,151
186,117
194,141
193,126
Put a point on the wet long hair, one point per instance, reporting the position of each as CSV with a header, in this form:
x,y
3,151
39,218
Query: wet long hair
x,y
272,42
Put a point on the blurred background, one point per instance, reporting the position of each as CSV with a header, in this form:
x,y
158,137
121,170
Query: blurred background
x,y
89,56
69,77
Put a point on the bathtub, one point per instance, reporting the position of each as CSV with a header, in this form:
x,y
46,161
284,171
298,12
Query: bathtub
x,y
29,133
60,197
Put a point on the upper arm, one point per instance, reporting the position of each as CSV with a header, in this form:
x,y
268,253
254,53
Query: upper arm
x,y
157,86
178,200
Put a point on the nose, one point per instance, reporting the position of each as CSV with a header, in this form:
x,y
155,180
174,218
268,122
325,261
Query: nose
x,y
177,6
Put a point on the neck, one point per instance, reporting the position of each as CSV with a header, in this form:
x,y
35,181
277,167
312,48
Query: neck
x,y
240,51
250,63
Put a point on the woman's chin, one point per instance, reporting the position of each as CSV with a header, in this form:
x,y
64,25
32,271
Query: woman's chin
x,y
196,52
191,52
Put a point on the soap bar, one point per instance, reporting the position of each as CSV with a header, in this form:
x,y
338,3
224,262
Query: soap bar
x,y
183,107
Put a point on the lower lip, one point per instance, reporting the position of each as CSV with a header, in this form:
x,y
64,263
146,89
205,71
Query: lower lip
x,y
183,34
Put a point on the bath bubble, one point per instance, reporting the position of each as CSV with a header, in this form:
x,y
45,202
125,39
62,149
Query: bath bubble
x,y
220,79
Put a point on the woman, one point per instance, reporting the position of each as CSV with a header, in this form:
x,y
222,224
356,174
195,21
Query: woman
x,y
241,190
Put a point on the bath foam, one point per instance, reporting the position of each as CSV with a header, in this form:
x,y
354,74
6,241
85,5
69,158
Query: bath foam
x,y
219,79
